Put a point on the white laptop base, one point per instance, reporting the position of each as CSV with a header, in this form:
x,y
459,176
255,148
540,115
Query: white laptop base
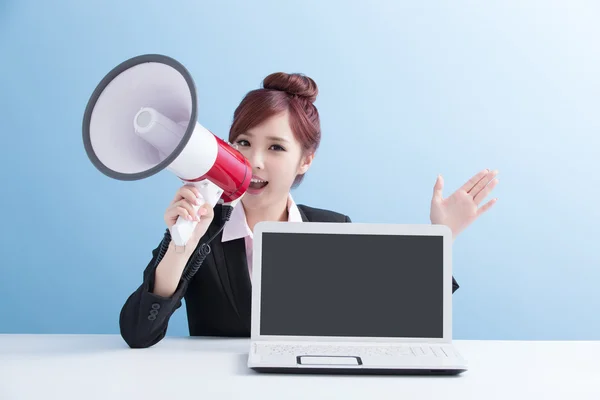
x,y
352,298
335,357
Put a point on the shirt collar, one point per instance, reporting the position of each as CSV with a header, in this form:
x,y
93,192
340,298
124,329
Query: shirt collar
x,y
237,226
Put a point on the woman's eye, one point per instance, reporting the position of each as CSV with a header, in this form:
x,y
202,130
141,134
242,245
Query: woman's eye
x,y
242,142
277,147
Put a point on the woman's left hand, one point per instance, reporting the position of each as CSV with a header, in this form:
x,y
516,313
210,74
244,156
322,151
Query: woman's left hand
x,y
462,208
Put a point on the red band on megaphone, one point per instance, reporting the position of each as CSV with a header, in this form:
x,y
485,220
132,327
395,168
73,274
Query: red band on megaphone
x,y
231,171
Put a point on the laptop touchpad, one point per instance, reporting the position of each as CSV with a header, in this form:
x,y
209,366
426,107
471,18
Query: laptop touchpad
x,y
323,360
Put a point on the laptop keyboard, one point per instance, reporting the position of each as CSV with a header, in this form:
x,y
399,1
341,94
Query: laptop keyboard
x,y
355,350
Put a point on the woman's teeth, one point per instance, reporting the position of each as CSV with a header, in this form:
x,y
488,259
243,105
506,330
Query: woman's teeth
x,y
256,183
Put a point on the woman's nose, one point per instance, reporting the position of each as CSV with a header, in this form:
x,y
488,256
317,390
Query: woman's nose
x,y
256,159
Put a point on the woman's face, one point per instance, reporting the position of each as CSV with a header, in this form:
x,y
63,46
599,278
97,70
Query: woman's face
x,y
276,158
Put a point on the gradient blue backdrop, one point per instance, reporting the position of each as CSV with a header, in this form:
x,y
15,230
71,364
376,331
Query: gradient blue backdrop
x,y
408,90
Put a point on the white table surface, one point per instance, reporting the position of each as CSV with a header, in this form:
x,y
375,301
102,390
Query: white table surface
x,y
78,367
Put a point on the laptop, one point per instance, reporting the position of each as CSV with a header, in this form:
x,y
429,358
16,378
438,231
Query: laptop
x,y
352,298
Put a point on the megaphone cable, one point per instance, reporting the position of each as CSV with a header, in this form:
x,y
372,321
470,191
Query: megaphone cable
x,y
202,252
204,249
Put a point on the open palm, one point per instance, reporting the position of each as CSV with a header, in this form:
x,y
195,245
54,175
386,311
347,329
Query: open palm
x,y
463,207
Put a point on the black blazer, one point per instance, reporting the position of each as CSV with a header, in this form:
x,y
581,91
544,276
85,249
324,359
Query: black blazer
x,y
217,298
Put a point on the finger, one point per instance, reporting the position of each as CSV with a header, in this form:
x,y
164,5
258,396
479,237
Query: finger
x,y
438,188
468,186
192,188
176,198
191,215
203,211
187,213
206,211
191,194
482,183
486,206
183,193
178,211
189,209
486,191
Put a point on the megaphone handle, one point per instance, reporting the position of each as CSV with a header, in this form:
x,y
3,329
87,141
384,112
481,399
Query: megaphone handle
x,y
183,228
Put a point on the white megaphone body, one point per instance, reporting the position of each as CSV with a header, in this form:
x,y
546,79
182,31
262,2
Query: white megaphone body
x,y
141,119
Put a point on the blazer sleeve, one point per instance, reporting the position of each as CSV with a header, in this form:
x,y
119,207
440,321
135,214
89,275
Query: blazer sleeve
x,y
144,317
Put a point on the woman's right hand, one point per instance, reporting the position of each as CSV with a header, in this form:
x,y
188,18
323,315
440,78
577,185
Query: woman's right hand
x,y
186,199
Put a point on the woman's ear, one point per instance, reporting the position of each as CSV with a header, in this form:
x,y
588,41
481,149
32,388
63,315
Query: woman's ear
x,y
305,163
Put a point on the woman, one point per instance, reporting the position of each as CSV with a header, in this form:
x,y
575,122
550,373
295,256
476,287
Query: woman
x,y
277,128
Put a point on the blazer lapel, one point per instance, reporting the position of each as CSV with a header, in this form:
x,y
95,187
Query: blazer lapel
x,y
232,267
239,277
304,218
224,254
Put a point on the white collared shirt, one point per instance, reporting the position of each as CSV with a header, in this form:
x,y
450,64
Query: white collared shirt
x,y
237,227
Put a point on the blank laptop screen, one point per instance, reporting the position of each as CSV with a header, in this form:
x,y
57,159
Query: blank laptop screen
x,y
351,285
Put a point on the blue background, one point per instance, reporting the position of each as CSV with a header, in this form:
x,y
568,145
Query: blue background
x,y
408,90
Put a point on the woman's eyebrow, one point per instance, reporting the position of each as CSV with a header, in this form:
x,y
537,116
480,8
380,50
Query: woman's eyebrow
x,y
275,138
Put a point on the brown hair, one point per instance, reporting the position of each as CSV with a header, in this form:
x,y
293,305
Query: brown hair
x,y
281,92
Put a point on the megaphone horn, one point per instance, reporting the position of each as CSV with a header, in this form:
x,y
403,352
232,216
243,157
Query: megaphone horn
x,y
141,119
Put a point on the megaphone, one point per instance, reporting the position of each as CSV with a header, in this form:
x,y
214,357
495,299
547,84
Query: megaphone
x,y
141,119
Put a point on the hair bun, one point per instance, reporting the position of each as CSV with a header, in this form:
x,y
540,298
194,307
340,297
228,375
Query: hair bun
x,y
294,84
